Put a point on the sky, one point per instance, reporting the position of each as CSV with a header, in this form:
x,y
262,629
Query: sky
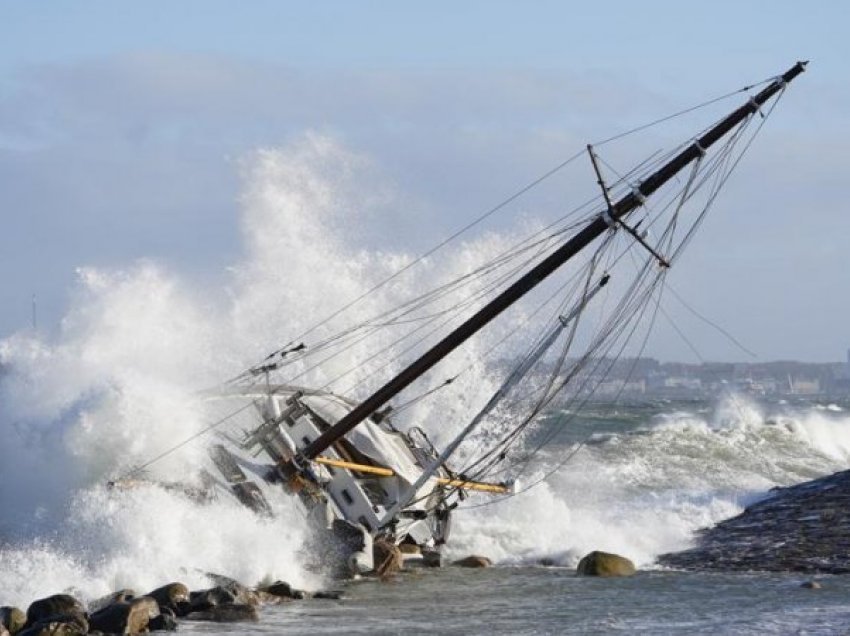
x,y
123,127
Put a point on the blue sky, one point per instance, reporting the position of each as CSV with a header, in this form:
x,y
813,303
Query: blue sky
x,y
122,125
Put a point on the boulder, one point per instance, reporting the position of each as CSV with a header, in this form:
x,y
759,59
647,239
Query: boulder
x,y
56,605
473,561
333,595
165,622
811,585
387,558
282,590
170,595
126,617
605,564
13,619
201,600
121,596
74,624
233,613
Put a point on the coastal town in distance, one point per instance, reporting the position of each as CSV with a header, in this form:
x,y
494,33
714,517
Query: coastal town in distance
x,y
645,376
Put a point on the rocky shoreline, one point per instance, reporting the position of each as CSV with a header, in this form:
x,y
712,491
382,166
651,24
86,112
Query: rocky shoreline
x,y
124,612
802,528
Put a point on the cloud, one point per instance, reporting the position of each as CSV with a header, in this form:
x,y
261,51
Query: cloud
x,y
106,161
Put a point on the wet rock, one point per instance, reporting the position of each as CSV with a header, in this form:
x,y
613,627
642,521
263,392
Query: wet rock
x,y
605,564
12,619
242,595
233,613
127,617
170,595
202,600
334,595
56,605
165,622
546,562
387,558
473,561
74,624
121,596
802,528
280,589
811,585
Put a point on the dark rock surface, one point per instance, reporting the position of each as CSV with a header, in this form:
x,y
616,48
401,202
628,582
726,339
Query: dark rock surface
x,y
230,613
56,605
170,595
125,617
803,528
12,618
473,561
605,564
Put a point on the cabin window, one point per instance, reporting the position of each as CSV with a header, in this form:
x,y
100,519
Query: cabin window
x,y
347,496
365,523
306,440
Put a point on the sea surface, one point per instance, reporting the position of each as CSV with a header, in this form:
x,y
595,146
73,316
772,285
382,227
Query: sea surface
x,y
637,478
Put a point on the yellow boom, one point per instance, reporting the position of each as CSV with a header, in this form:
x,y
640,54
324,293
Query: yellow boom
x,y
388,472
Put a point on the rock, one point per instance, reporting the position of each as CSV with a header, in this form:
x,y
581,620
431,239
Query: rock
x,y
128,617
605,564
473,561
233,613
13,619
74,624
56,605
242,595
202,600
282,589
387,558
546,562
333,595
802,528
811,585
165,622
409,548
121,596
170,595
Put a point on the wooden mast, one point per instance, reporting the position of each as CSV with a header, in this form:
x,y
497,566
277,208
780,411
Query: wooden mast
x,y
542,270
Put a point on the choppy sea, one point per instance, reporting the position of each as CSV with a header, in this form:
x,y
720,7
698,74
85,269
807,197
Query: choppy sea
x,y
648,475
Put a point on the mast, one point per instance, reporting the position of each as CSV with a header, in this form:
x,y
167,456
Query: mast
x,y
546,267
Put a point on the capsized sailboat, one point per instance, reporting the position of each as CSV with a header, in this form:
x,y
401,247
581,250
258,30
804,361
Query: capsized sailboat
x,y
362,477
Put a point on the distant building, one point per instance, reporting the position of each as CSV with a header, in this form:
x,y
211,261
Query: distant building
x,y
805,386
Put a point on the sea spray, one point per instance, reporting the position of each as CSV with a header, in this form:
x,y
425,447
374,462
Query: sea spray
x,y
117,388
646,490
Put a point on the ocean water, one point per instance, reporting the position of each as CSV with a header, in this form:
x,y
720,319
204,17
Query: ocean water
x,y
116,384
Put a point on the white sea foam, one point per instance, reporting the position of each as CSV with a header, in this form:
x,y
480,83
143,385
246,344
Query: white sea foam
x,y
116,388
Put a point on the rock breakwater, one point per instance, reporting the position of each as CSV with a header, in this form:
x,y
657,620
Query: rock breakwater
x,y
802,528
